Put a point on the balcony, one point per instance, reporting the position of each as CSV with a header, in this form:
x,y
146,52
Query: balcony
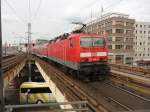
x,y
122,26
120,43
121,50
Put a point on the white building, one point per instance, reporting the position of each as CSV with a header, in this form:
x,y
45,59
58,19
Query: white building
x,y
142,42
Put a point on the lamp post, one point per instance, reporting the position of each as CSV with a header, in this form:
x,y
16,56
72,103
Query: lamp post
x,y
29,50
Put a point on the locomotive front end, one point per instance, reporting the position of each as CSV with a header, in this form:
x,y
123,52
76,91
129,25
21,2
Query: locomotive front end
x,y
93,56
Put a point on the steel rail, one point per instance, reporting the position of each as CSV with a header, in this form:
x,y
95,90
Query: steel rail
x,y
138,96
71,87
132,70
79,92
113,100
136,78
12,61
8,56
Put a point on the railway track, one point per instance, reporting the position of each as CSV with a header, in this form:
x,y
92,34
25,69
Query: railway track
x,y
131,70
135,83
8,56
11,61
100,96
122,97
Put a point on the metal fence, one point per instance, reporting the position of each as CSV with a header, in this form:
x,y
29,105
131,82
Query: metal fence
x,y
78,106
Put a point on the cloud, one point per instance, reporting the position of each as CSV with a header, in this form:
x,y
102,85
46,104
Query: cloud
x,y
55,16
9,18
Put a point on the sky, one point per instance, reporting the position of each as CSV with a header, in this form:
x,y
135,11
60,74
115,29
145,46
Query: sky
x,y
50,18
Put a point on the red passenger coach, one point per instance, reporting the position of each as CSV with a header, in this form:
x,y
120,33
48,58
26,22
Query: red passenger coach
x,y
82,54
41,50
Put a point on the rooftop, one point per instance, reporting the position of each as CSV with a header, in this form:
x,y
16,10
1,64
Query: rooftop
x,y
109,15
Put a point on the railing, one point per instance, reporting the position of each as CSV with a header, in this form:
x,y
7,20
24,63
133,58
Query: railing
x,y
9,62
135,78
132,69
78,106
121,50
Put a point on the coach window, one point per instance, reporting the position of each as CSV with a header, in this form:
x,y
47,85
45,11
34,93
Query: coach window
x,y
71,43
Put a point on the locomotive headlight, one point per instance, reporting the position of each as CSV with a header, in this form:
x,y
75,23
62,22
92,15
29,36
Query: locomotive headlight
x,y
85,54
101,53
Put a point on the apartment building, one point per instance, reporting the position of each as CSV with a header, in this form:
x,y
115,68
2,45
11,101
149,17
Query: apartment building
x,y
119,29
142,43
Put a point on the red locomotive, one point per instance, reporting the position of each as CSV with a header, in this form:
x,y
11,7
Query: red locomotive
x,y
82,54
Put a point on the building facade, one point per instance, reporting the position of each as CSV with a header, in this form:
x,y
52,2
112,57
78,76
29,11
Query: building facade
x,y
119,29
142,43
8,50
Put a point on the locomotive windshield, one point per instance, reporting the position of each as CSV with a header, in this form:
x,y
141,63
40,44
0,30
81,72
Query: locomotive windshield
x,y
91,42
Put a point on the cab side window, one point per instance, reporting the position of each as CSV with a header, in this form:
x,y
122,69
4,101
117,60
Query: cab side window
x,y
71,43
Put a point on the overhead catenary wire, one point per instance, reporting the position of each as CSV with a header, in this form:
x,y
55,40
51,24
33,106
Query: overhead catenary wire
x,y
113,4
13,10
37,10
103,8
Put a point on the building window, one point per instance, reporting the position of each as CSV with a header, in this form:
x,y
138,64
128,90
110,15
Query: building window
x,y
148,32
129,39
119,23
147,54
143,54
119,46
120,31
149,26
141,26
71,43
139,54
129,24
109,46
119,39
129,47
140,43
144,32
109,31
136,25
140,31
108,23
128,31
109,39
136,31
129,60
119,58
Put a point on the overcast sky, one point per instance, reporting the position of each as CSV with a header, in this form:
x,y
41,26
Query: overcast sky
x,y
55,16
